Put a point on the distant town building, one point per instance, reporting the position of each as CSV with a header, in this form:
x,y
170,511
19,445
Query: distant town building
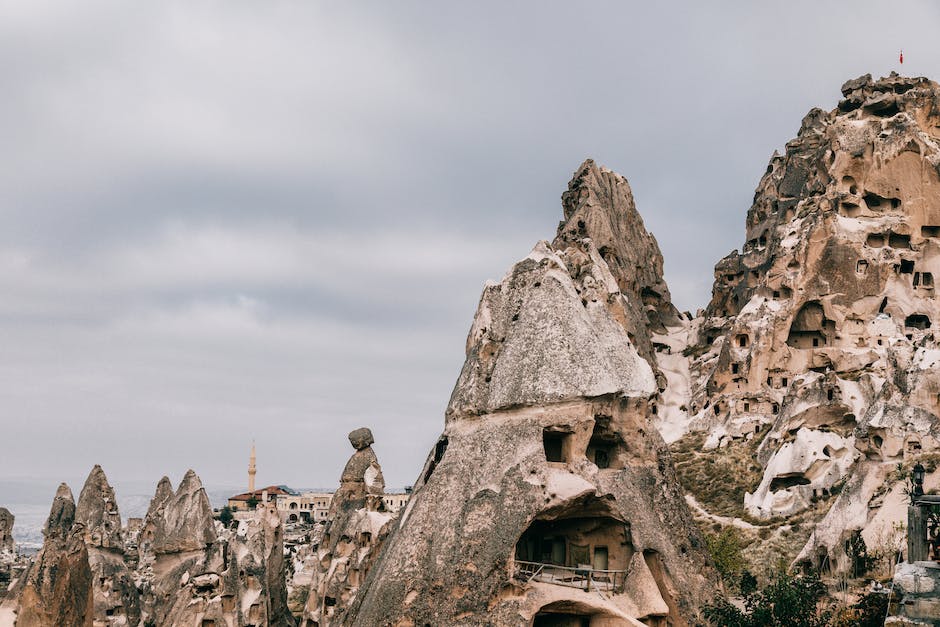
x,y
315,506
294,506
248,500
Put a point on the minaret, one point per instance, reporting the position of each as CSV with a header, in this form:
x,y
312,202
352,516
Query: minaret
x,y
251,469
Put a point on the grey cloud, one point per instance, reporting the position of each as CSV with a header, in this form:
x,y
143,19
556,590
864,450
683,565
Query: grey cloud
x,y
231,220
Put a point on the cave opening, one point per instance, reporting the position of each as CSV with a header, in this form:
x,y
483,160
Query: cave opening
x,y
605,448
557,445
898,240
917,321
784,482
810,327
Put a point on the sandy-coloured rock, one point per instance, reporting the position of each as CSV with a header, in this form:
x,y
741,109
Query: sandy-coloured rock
x,y
550,492
356,527
820,338
116,600
58,587
6,530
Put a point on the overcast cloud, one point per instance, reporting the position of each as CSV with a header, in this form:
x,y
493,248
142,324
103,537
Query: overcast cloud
x,y
231,220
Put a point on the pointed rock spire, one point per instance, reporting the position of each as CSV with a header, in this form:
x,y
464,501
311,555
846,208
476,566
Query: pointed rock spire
x,y
599,204
58,589
62,514
182,521
6,530
97,510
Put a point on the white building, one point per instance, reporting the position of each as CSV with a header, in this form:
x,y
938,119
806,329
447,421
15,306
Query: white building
x,y
315,506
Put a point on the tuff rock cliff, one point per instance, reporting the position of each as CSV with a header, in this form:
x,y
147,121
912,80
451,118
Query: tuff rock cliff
x,y
116,600
6,530
187,569
817,355
58,587
358,524
549,469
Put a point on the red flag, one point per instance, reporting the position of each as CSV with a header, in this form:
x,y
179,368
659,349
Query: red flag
x,y
902,57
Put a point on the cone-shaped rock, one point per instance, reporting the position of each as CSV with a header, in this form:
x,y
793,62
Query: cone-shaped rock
x,y
58,588
97,510
116,598
6,530
599,205
183,521
549,480
549,332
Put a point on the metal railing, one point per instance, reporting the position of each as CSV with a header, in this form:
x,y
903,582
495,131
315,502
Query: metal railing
x,y
583,577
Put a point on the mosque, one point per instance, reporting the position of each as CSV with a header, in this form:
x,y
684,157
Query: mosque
x,y
295,506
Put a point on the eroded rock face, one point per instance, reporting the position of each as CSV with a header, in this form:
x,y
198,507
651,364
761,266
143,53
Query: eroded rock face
x,y
599,205
549,467
58,586
550,332
820,338
6,530
116,600
357,525
189,570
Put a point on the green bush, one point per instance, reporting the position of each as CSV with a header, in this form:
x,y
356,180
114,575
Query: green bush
x,y
725,549
787,601
226,516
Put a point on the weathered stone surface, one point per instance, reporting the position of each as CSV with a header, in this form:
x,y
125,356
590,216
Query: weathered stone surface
x,y
188,570
97,510
181,521
357,525
819,339
599,205
549,427
116,600
58,586
6,530
361,438
551,331
919,585
238,580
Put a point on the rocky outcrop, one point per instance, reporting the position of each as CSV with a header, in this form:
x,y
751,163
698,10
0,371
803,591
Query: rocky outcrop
x,y
599,205
58,587
193,572
116,600
188,570
819,341
550,494
6,530
356,528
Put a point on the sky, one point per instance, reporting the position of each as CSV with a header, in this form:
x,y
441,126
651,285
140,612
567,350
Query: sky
x,y
232,221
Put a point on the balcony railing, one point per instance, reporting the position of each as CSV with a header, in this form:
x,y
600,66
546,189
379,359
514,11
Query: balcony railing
x,y
583,577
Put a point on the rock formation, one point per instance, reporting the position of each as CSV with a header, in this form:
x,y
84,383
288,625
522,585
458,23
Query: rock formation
x,y
6,530
116,599
631,253
58,586
357,526
8,563
550,496
188,571
819,342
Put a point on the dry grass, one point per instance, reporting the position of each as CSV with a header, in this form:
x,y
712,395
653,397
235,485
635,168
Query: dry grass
x,y
718,478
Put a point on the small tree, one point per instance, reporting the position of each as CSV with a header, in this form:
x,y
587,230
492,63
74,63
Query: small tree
x,y
857,551
725,550
252,502
226,516
748,583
